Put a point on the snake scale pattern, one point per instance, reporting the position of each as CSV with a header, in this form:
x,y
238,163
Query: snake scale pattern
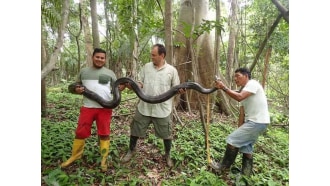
x,y
138,91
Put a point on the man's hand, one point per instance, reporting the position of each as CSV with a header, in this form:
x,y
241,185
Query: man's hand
x,y
79,89
128,85
182,91
121,87
219,84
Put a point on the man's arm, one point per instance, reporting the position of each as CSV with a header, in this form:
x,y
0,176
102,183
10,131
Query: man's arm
x,y
238,96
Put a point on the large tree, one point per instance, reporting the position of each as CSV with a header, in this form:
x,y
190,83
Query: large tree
x,y
95,24
50,64
168,31
87,33
194,53
48,61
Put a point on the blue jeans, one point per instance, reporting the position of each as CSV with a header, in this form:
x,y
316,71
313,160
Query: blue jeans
x,y
246,135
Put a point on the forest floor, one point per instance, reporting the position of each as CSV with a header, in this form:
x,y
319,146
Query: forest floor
x,y
148,166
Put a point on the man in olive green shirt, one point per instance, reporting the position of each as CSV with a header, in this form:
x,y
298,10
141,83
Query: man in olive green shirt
x,y
156,77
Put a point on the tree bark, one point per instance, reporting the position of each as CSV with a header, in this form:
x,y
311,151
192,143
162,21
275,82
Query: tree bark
x,y
108,34
168,31
217,37
132,70
59,42
87,35
194,57
233,24
74,70
95,25
222,106
282,9
43,81
264,74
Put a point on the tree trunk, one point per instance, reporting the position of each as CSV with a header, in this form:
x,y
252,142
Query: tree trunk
x,y
182,55
95,25
222,107
168,31
43,81
194,57
217,38
282,9
108,34
264,74
74,70
228,105
233,24
59,42
87,35
132,70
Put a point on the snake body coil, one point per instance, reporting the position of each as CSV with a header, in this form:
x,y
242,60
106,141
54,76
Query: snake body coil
x,y
149,99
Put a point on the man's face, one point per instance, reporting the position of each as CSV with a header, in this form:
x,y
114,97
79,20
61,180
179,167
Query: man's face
x,y
241,79
155,57
99,60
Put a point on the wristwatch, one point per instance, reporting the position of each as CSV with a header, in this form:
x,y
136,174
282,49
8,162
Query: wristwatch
x,y
225,89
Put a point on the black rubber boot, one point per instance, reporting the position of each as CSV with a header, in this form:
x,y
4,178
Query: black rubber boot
x,y
168,144
247,163
228,159
131,150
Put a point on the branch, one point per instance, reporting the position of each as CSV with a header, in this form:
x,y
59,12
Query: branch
x,y
263,44
53,58
282,9
161,10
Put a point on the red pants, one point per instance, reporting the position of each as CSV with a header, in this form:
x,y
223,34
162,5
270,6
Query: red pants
x,y
87,116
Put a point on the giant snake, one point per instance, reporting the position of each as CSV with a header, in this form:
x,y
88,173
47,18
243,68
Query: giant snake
x,y
147,98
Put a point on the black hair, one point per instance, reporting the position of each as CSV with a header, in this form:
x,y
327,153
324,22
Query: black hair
x,y
161,49
244,71
99,50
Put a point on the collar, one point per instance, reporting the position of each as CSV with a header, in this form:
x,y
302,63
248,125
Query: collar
x,y
165,64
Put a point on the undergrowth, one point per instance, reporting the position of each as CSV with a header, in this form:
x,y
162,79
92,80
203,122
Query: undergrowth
x,y
148,167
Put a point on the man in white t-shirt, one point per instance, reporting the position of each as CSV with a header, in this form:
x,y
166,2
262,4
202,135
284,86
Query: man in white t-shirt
x,y
253,121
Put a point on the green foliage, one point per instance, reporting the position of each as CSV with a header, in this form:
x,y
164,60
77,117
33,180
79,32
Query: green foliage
x,y
279,118
208,26
205,26
56,178
257,17
271,155
204,177
254,20
51,12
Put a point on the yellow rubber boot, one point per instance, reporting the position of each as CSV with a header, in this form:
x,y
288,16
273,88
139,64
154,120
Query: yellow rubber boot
x,y
104,149
77,150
